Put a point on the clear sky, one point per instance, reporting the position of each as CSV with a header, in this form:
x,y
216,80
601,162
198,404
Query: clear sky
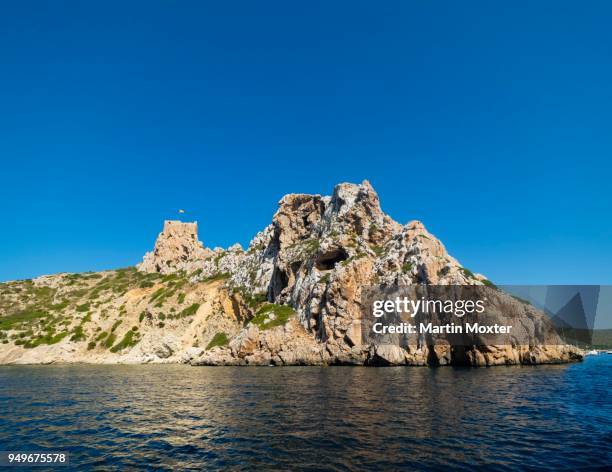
x,y
489,121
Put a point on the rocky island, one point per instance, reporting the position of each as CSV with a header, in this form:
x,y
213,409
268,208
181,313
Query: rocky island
x,y
293,297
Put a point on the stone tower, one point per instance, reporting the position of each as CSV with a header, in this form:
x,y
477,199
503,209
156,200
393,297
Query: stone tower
x,y
177,248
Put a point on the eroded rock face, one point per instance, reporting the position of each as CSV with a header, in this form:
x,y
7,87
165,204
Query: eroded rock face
x,y
318,254
289,344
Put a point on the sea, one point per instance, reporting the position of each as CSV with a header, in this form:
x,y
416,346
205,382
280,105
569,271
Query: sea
x,y
177,417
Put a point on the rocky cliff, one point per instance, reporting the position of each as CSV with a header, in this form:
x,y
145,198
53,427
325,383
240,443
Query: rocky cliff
x,y
293,297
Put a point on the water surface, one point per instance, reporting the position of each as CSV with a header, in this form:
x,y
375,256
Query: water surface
x,y
337,418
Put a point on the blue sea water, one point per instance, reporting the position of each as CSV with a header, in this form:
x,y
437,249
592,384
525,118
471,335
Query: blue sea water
x,y
174,417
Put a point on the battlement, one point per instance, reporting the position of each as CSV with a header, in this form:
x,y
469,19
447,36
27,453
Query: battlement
x,y
178,228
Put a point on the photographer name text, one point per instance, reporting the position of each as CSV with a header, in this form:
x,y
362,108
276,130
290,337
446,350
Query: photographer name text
x,y
458,308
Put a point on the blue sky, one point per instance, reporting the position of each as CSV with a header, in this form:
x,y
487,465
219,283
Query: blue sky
x,y
489,121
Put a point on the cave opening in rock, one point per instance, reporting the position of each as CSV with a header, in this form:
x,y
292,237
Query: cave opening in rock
x,y
329,259
279,281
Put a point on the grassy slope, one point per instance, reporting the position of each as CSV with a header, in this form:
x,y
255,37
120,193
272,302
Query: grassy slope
x,y
49,309
97,310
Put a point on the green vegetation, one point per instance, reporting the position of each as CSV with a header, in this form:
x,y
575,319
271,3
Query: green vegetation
x,y
110,340
307,247
253,300
271,315
378,250
256,299
91,345
80,293
258,247
124,272
130,338
407,267
73,277
219,339
324,279
173,285
45,293
101,336
59,306
214,278
372,230
82,308
489,284
218,258
25,316
359,255
39,314
117,282
78,334
311,246
468,273
158,293
45,339
170,277
189,311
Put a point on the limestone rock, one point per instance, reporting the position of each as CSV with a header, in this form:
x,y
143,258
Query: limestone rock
x,y
388,354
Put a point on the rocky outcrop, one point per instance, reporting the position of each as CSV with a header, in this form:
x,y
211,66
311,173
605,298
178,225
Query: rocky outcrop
x,y
319,253
289,344
294,296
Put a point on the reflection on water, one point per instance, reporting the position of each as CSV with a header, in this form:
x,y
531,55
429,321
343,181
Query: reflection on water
x,y
340,418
